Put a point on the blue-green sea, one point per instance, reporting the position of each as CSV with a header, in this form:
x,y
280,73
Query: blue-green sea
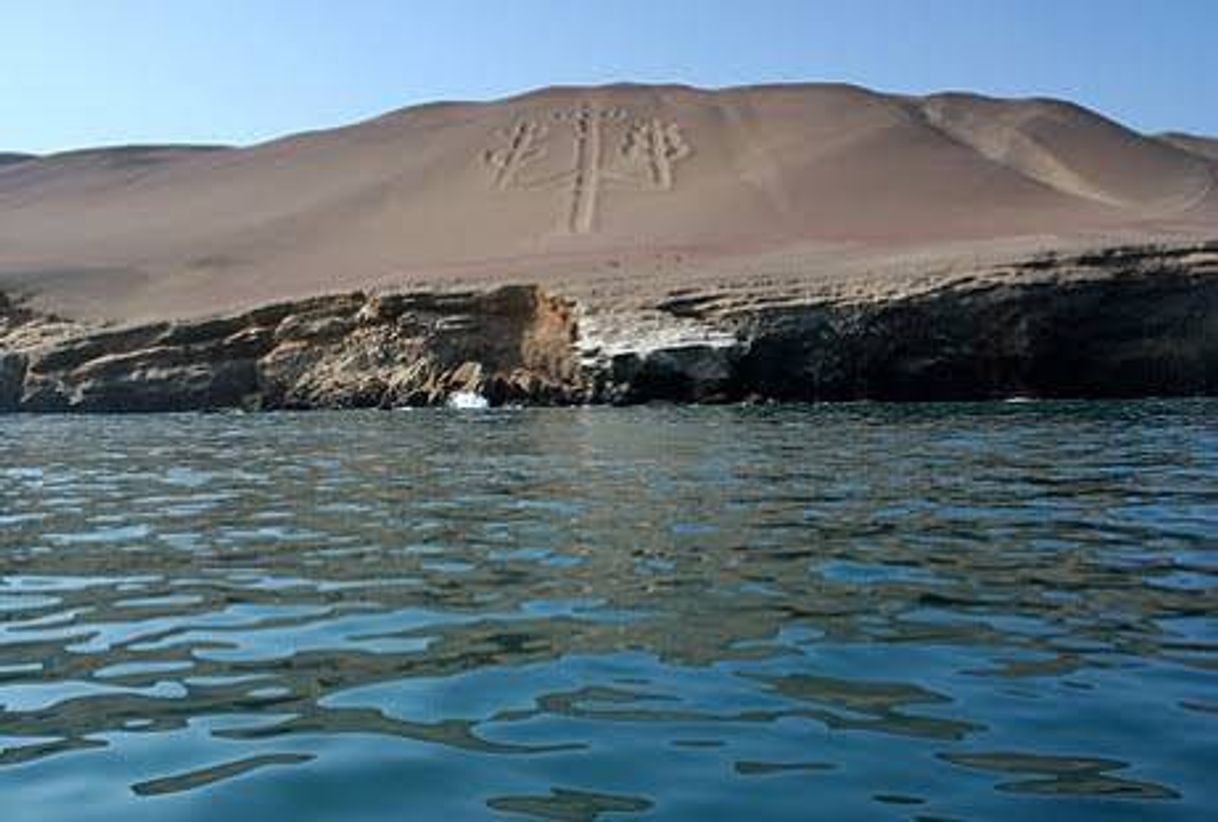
x,y
842,612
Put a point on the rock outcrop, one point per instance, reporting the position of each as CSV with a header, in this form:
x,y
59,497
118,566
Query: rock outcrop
x,y
1122,322
513,344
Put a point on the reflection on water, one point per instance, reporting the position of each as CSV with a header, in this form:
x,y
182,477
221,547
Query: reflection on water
x,y
859,612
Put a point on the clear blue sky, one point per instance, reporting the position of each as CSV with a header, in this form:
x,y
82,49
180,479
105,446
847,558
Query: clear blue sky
x,y
90,72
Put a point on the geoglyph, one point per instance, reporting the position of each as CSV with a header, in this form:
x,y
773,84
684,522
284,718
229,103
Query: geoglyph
x,y
609,146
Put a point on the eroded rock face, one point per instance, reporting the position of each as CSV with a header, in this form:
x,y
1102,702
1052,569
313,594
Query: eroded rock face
x,y
514,344
12,379
1122,323
12,363
1117,338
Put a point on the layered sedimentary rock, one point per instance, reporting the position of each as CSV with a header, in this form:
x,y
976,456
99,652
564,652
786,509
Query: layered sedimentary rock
x,y
1124,322
513,344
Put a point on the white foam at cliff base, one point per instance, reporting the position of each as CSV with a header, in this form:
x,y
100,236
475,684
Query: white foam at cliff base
x,y
467,400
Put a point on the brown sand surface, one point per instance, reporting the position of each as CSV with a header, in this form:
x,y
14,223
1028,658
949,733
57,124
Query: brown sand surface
x,y
618,195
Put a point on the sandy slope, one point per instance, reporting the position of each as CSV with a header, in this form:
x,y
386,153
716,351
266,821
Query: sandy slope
x,y
621,193
1206,147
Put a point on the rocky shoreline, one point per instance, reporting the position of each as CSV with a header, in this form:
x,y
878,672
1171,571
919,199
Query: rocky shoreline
x,y
1120,322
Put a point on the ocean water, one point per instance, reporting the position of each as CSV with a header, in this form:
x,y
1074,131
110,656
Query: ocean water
x,y
924,612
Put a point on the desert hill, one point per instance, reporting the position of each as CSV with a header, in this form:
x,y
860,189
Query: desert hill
x,y
627,193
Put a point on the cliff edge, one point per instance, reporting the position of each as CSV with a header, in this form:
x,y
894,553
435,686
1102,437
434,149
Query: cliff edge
x,y
1125,322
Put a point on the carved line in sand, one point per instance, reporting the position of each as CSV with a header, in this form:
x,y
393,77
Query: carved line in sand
x,y
649,148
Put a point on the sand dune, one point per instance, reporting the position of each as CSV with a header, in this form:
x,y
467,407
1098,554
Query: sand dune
x,y
1206,147
587,190
1075,151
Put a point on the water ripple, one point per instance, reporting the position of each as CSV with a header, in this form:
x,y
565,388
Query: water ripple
x,y
675,613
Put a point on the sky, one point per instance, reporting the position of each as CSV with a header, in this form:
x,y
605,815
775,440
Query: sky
x,y
76,73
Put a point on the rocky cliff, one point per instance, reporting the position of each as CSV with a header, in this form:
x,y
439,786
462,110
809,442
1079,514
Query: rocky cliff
x,y
513,344
1120,322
